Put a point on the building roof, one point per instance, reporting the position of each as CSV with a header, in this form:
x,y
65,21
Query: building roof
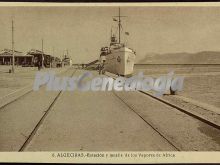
x,y
35,51
8,53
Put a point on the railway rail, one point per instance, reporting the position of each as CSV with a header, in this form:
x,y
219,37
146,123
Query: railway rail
x,y
29,138
155,129
51,104
22,95
199,118
33,130
180,109
183,110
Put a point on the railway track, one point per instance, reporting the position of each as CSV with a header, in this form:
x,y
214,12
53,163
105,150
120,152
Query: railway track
x,y
183,110
29,138
24,133
37,124
176,107
22,95
180,109
154,128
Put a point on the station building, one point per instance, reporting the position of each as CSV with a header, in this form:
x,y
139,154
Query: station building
x,y
46,59
20,58
30,59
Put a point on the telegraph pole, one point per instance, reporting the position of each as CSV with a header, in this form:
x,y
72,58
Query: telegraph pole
x,y
119,25
42,49
13,57
53,58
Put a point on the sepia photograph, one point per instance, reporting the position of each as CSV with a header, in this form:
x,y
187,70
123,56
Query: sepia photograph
x,y
77,80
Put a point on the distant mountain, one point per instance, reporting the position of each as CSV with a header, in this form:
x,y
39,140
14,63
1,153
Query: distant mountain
x,y
204,57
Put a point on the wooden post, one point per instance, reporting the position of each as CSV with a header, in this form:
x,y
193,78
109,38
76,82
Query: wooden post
x,y
13,57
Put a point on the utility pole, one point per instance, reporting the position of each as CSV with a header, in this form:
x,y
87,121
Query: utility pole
x,y
119,26
42,49
53,57
13,57
53,51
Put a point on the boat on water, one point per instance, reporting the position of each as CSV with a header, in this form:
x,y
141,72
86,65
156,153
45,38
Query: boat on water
x,y
117,58
67,61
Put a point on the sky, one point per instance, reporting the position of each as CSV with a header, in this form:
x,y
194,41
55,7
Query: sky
x,y
84,30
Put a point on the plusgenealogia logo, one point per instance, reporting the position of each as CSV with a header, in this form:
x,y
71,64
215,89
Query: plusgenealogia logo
x,y
87,82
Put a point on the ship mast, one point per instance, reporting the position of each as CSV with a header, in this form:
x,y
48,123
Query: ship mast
x,y
119,24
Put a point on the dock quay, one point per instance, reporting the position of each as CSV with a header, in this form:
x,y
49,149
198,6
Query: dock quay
x,y
134,121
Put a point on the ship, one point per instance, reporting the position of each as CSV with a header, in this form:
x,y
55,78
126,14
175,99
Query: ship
x,y
117,58
66,61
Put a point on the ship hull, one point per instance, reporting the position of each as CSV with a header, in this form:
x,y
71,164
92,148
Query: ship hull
x,y
120,61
